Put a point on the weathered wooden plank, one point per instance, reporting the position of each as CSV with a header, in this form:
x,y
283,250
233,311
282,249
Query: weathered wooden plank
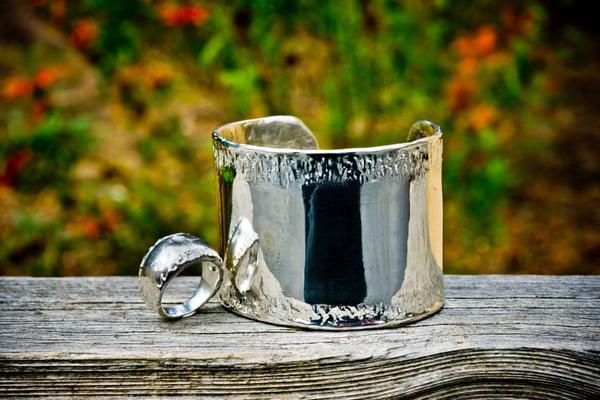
x,y
497,337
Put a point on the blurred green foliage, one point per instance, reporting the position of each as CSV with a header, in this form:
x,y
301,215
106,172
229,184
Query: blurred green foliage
x,y
105,137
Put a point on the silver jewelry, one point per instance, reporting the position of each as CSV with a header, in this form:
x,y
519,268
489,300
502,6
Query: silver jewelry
x,y
168,258
318,239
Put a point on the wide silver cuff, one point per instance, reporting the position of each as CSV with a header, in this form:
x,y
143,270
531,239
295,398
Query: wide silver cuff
x,y
319,239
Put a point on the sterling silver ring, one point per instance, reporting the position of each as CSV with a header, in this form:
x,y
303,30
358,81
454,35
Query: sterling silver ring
x,y
168,258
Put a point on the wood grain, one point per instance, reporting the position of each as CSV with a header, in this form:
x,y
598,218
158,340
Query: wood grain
x,y
497,337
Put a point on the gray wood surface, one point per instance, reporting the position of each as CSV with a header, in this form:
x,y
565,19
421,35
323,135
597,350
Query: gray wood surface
x,y
497,337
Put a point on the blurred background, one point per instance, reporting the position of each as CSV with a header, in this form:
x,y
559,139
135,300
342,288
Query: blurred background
x,y
106,110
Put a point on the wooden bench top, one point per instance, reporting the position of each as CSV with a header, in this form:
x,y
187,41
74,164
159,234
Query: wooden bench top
x,y
496,337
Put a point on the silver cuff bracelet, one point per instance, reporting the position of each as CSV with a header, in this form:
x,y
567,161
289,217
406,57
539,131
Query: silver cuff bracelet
x,y
318,239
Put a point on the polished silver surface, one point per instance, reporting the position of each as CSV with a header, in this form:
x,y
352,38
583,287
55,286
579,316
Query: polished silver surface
x,y
319,239
348,239
169,257
241,258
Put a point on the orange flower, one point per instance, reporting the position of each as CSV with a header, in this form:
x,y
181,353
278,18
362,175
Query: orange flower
x,y
479,44
467,67
459,94
485,41
183,15
84,32
47,76
482,116
17,87
90,228
463,46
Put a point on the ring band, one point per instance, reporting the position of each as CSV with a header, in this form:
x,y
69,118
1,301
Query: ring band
x,y
168,258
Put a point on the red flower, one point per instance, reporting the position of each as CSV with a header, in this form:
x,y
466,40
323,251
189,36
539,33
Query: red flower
x,y
17,87
183,15
84,32
14,165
